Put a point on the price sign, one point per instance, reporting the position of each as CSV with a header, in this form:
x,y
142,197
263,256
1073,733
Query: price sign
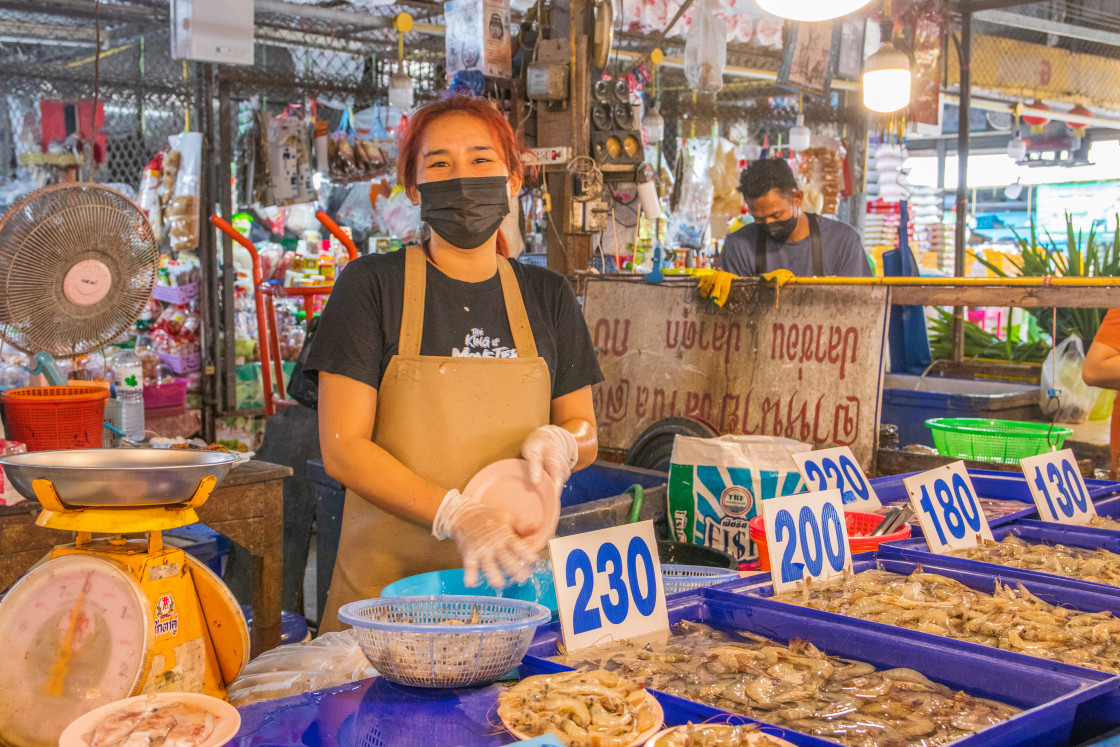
x,y
608,585
825,469
1057,486
806,537
947,507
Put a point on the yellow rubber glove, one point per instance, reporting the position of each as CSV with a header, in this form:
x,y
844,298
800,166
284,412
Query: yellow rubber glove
x,y
715,285
778,278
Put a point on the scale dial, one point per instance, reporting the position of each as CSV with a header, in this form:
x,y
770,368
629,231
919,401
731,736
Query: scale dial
x,y
76,633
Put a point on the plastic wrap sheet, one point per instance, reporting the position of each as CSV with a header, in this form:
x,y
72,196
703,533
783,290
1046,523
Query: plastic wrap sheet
x,y
376,712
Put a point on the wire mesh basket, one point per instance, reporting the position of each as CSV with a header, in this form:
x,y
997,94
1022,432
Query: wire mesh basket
x,y
1002,441
685,577
444,641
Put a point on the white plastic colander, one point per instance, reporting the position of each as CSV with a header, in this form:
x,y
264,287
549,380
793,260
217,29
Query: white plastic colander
x,y
444,641
686,577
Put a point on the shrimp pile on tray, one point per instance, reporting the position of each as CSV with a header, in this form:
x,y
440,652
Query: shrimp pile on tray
x,y
1104,522
1098,566
581,709
1011,618
717,735
798,687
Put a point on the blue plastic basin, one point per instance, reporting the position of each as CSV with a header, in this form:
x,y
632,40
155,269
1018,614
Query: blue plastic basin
x,y
537,589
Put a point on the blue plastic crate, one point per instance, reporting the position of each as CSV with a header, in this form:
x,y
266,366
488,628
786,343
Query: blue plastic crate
x,y
202,542
1008,486
1066,703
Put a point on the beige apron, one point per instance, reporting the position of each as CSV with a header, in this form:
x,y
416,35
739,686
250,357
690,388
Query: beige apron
x,y
445,419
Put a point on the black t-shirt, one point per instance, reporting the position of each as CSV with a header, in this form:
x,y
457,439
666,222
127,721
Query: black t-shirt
x,y
360,327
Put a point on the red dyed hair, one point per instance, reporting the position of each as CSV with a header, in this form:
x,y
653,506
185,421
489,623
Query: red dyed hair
x,y
512,150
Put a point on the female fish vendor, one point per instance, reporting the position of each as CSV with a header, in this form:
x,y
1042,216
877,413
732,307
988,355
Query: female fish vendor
x,y
435,361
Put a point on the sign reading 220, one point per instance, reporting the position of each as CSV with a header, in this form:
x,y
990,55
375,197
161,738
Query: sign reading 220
x,y
608,584
825,469
806,537
947,508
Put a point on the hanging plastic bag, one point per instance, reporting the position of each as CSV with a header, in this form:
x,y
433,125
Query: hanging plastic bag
x,y
182,215
1062,370
705,51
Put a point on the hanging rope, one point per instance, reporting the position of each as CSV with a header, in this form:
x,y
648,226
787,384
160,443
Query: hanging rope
x,y
1054,394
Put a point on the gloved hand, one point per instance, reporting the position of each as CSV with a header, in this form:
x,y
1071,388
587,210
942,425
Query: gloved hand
x,y
550,450
486,540
716,286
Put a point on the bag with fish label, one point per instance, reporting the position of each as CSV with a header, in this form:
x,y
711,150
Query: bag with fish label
x,y
715,485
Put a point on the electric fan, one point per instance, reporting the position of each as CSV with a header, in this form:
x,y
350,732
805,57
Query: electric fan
x,y
77,266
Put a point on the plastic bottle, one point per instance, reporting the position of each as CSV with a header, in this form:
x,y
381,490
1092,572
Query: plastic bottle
x,y
128,387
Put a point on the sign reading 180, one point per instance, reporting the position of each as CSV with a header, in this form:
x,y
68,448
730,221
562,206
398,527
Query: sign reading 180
x,y
1057,486
837,468
947,508
806,537
608,584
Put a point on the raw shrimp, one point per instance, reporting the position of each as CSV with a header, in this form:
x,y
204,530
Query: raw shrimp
x,y
717,735
1009,618
582,709
799,687
1098,566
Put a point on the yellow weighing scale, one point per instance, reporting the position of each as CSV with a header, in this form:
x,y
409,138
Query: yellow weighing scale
x,y
110,617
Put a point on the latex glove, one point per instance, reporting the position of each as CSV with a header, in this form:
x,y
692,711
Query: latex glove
x,y
716,286
550,450
486,540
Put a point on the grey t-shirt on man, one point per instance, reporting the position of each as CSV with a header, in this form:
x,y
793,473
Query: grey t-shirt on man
x,y
841,248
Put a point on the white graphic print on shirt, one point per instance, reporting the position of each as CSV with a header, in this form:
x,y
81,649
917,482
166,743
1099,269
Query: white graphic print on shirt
x,y
477,345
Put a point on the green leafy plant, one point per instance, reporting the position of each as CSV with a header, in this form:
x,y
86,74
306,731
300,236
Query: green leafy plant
x,y
1083,255
979,343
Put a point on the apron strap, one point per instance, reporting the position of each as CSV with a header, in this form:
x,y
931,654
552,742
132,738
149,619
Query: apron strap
x,y
415,286
515,311
815,240
760,251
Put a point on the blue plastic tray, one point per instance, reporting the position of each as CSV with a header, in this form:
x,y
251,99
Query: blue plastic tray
x,y
1008,486
1029,531
539,588
1065,703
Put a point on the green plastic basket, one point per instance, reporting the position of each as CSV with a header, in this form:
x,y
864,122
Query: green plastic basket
x,y
1002,441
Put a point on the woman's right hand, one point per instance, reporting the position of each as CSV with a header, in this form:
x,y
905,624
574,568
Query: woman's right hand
x,y
487,542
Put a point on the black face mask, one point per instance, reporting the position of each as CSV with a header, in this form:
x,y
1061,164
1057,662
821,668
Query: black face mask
x,y
781,230
465,212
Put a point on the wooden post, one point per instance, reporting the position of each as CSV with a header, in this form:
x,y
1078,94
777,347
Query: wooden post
x,y
568,252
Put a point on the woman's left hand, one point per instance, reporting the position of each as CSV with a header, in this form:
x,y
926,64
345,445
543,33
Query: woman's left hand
x,y
553,451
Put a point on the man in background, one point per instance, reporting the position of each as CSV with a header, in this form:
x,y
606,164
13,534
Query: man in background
x,y
783,236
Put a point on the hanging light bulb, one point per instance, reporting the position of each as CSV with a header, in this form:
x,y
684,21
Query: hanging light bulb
x,y
810,10
400,84
1017,148
400,91
654,125
886,79
799,135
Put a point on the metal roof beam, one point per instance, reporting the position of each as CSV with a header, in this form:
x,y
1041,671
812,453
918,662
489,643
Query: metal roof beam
x,y
1030,23
976,6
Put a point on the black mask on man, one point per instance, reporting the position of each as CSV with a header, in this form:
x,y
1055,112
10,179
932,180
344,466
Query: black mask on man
x,y
781,230
465,212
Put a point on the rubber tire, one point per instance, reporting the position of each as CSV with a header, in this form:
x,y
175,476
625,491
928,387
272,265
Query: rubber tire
x,y
653,449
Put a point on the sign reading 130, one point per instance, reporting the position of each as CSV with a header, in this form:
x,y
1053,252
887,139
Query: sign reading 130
x,y
1057,486
806,537
947,508
837,468
608,585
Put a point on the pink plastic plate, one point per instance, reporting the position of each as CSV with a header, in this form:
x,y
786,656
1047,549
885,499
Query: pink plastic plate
x,y
506,484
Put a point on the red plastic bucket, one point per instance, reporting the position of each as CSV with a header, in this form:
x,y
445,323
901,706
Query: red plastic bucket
x,y
55,417
859,526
